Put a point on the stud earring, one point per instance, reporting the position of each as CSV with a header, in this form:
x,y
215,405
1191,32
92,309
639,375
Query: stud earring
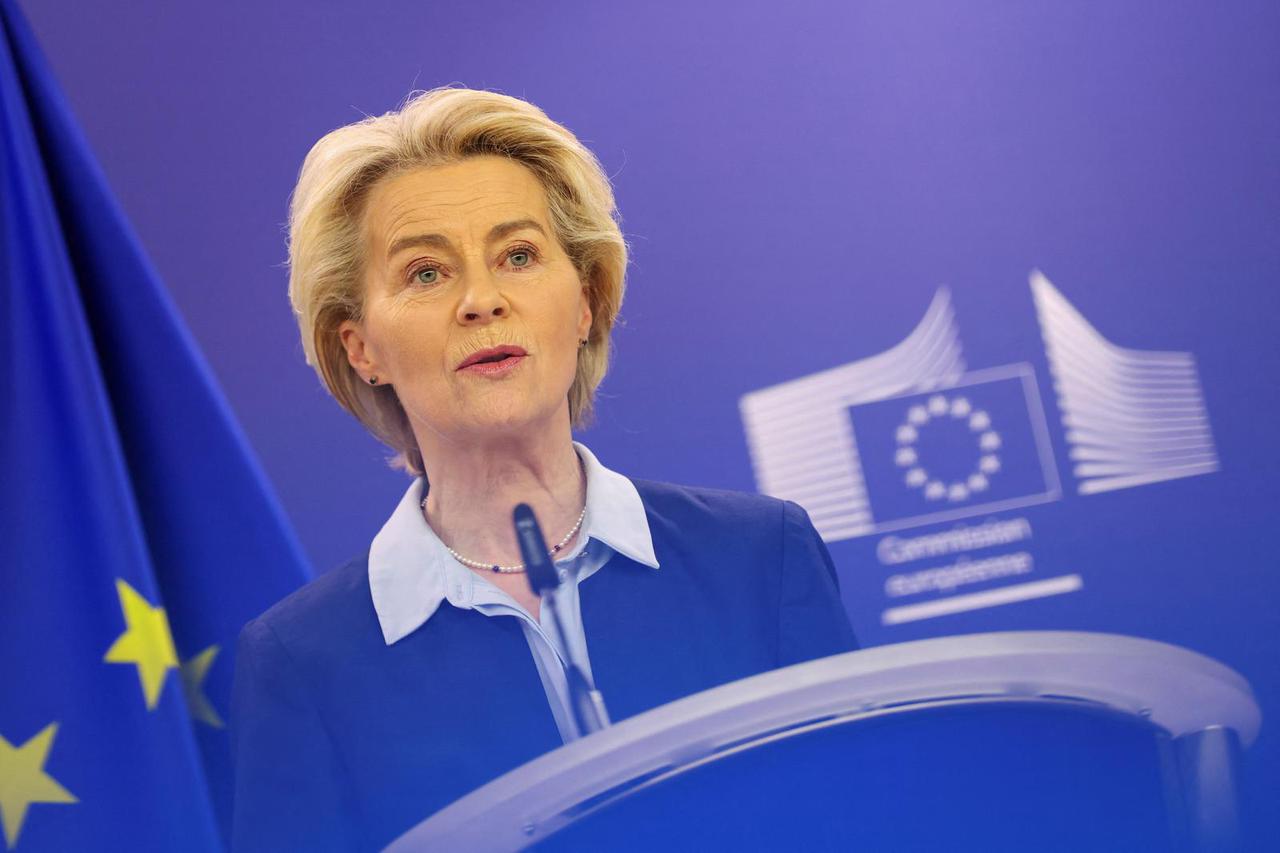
x,y
373,380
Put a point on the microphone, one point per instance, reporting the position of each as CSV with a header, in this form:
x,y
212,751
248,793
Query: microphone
x,y
587,703
533,549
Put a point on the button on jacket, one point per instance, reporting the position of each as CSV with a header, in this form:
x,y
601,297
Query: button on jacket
x,y
342,741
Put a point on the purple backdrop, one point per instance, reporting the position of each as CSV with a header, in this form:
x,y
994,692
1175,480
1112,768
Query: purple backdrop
x,y
796,186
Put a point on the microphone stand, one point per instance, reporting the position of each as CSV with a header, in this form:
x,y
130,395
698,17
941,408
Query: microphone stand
x,y
585,700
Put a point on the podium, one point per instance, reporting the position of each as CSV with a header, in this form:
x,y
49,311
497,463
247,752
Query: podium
x,y
1022,741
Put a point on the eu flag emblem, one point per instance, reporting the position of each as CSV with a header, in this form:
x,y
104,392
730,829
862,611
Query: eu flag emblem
x,y
978,446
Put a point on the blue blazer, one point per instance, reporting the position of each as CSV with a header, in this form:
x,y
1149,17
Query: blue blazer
x,y
342,742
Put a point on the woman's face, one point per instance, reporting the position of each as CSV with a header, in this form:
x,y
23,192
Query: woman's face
x,y
462,258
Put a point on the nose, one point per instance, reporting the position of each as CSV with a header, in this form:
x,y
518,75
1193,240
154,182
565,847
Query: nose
x,y
482,301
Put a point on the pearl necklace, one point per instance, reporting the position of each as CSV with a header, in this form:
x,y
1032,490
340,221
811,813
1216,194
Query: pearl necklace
x,y
519,567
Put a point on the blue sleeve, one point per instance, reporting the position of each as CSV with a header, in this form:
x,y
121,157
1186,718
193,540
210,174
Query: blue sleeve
x,y
289,781
813,622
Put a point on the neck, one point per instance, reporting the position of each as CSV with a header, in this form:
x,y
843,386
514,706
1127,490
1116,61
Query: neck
x,y
476,483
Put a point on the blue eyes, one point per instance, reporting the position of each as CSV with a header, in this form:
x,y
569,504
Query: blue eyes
x,y
520,257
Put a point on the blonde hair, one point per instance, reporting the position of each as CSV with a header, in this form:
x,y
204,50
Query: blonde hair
x,y
440,126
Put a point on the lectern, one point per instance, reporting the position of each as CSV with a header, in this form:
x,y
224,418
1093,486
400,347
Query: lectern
x,y
1017,741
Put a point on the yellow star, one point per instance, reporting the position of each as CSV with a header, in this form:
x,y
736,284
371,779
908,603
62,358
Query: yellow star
x,y
23,781
193,674
145,643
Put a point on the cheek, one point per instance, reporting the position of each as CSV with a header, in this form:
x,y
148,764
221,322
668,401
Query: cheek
x,y
412,348
562,336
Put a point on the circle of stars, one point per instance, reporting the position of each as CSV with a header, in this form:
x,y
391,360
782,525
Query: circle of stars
x,y
939,408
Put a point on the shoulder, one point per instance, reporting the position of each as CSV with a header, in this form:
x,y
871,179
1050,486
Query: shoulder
x,y
689,508
333,610
674,497
725,504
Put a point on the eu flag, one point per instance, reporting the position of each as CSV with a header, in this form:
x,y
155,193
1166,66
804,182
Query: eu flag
x,y
978,446
137,533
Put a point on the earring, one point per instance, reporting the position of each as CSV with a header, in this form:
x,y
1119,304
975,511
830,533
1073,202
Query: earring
x,y
582,343
373,380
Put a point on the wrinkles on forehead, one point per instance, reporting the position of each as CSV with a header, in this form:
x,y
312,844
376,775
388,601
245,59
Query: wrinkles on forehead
x,y
460,204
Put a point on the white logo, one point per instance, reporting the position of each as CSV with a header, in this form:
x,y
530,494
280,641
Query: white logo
x,y
907,438
1131,417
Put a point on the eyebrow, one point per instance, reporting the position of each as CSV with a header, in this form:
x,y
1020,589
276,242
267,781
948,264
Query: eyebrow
x,y
439,241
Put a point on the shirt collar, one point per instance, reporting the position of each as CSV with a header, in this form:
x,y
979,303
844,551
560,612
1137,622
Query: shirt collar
x,y
408,564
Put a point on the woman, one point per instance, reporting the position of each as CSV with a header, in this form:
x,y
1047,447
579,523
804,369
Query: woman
x,y
456,270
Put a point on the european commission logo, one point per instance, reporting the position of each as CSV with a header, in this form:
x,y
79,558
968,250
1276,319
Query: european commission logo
x,y
909,438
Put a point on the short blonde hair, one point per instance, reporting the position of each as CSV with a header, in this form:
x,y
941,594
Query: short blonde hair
x,y
440,126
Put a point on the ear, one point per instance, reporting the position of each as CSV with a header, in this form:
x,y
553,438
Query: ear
x,y
584,318
359,353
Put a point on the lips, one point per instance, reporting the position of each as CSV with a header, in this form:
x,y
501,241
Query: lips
x,y
493,354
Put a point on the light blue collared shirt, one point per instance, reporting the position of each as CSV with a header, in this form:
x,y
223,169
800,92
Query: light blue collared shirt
x,y
411,572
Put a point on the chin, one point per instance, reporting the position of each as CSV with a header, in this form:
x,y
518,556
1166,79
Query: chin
x,y
515,415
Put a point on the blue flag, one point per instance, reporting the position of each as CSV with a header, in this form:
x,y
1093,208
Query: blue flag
x,y
977,446
137,533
